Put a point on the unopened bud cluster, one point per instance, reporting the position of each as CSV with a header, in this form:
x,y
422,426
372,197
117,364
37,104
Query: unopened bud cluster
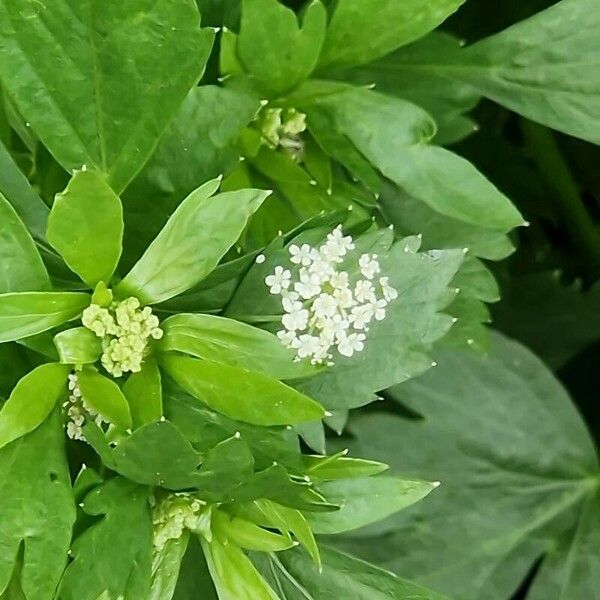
x,y
324,307
281,128
125,329
174,514
78,411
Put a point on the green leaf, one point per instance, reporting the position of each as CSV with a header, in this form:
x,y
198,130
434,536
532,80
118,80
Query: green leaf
x,y
234,576
397,23
446,182
519,474
231,342
339,466
366,500
37,509
87,104
545,68
194,578
21,267
275,50
166,563
295,577
27,313
241,394
114,555
78,346
32,400
105,397
191,244
86,227
143,391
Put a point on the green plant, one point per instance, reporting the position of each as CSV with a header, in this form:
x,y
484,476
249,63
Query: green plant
x,y
216,242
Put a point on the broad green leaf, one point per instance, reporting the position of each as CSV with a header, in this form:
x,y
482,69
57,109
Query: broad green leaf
x,y
32,400
105,397
295,577
205,428
519,475
366,500
191,244
231,342
114,555
277,51
27,313
78,346
86,227
87,104
446,182
241,394
21,266
14,364
349,36
340,466
234,576
199,144
166,563
37,509
27,204
143,391
545,68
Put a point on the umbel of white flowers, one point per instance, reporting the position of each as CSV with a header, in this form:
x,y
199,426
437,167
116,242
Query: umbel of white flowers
x,y
78,411
124,329
174,514
325,308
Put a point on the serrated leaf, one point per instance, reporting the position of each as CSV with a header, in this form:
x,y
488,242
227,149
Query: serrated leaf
x,y
87,104
114,555
86,227
37,509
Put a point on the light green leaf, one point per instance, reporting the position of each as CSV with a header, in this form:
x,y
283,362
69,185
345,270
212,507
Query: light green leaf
x,y
21,267
87,104
234,576
37,509
397,23
366,500
241,394
276,51
143,391
546,68
339,466
78,346
519,472
86,227
295,577
114,555
191,244
27,313
105,397
32,400
231,342
166,564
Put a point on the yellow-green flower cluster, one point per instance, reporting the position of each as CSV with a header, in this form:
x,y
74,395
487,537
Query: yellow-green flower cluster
x,y
175,513
282,128
125,329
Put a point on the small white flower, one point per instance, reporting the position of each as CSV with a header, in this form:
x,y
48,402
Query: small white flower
x,y
301,255
389,293
344,298
351,344
296,317
309,285
308,345
279,280
361,316
288,338
335,329
339,280
322,269
377,308
324,306
342,244
364,291
369,265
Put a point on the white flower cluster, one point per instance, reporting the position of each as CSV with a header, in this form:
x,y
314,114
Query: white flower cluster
x,y
324,307
282,128
124,329
175,513
78,411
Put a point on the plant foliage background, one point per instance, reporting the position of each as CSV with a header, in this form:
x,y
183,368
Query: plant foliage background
x,y
172,173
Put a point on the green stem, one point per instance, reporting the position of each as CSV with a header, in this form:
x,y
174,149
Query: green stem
x,y
551,164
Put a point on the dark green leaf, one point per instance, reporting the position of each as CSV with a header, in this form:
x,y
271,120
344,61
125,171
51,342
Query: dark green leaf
x,y
241,394
37,509
87,104
143,391
86,227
